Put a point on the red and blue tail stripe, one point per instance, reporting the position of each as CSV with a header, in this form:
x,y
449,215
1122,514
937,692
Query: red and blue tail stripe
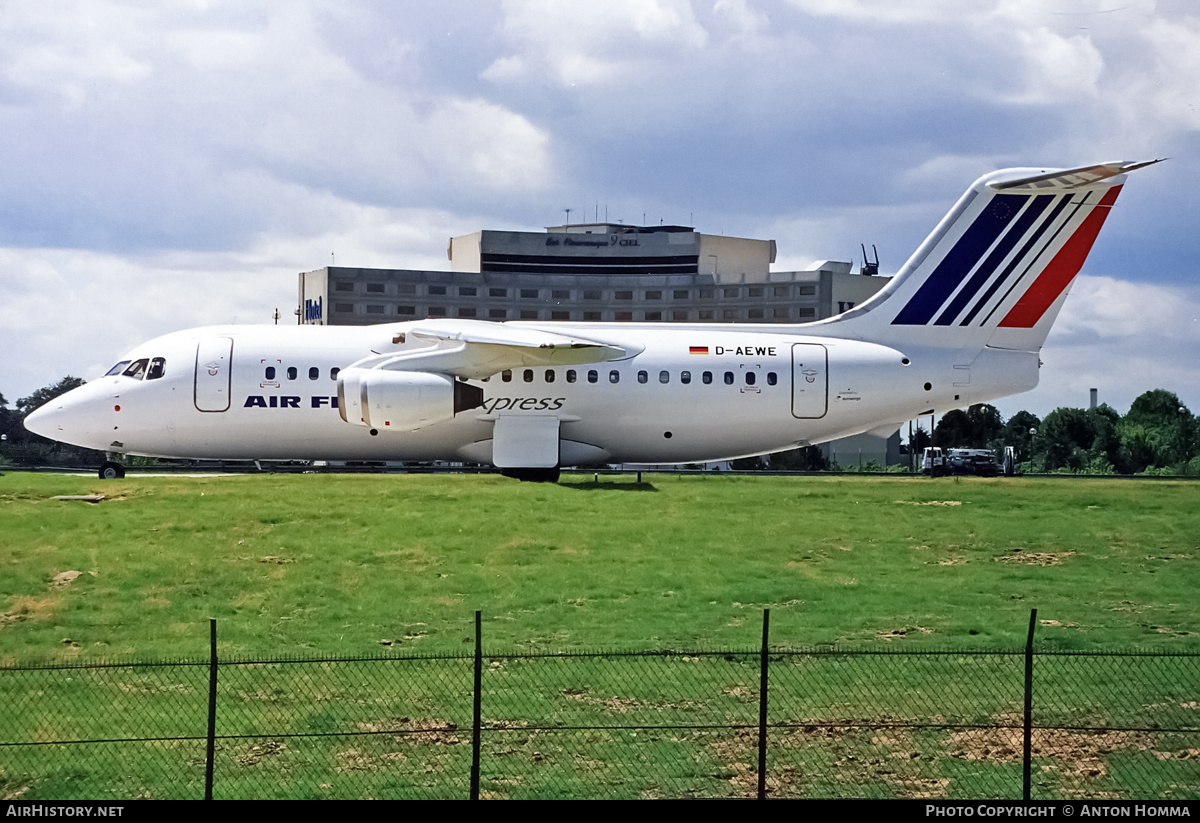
x,y
982,261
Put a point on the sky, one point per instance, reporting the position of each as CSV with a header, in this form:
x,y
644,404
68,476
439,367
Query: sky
x,y
165,165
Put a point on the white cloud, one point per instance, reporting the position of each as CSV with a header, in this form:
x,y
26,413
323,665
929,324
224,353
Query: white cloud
x,y
1123,338
592,43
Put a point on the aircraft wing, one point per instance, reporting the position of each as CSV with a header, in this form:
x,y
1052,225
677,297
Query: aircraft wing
x,y
474,349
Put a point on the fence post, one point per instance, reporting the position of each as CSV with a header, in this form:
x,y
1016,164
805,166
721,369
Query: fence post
x,y
475,722
1027,757
762,708
212,707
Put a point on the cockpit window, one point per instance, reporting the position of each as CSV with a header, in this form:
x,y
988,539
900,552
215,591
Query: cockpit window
x,y
158,367
117,369
137,370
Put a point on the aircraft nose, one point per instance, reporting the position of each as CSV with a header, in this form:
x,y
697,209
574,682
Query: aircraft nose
x,y
70,418
44,420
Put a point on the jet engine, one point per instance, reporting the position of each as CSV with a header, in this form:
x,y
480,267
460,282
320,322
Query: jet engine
x,y
402,400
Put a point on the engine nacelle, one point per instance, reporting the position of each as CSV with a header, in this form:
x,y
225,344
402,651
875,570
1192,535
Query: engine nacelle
x,y
402,400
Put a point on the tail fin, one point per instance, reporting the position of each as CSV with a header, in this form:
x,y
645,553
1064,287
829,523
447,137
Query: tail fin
x,y
997,268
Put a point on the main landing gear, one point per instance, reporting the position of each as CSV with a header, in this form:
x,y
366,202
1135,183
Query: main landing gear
x,y
533,475
111,471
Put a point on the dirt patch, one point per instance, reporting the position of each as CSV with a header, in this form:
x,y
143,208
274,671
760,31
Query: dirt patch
x,y
929,502
1070,754
623,705
844,753
1033,558
1049,623
256,753
27,607
64,579
904,631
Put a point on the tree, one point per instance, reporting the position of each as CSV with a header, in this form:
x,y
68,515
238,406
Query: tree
x,y
979,427
1158,431
1019,433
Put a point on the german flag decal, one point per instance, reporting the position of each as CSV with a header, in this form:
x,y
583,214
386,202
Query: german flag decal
x,y
697,349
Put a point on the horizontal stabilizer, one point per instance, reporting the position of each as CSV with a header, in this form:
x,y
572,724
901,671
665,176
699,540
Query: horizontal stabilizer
x,y
1068,179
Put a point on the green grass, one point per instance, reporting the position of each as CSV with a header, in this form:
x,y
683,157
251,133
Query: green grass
x,y
353,564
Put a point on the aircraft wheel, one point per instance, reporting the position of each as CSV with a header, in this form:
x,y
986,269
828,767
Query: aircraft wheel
x,y
112,471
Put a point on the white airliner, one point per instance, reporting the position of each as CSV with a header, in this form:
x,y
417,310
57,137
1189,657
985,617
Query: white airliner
x,y
961,323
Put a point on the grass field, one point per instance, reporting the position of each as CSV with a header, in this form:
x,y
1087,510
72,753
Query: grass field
x,y
351,564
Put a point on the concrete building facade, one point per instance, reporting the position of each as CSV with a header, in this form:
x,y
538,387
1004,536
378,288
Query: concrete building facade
x,y
590,273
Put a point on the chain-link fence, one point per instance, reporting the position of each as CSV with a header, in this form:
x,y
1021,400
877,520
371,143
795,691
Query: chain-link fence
x,y
835,723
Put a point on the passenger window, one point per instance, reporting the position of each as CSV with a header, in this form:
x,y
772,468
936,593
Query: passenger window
x,y
614,376
706,377
685,377
549,375
728,378
333,373
750,378
117,369
664,376
313,373
506,375
593,375
270,373
292,372
570,375
771,378
158,367
138,369
643,377
528,376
